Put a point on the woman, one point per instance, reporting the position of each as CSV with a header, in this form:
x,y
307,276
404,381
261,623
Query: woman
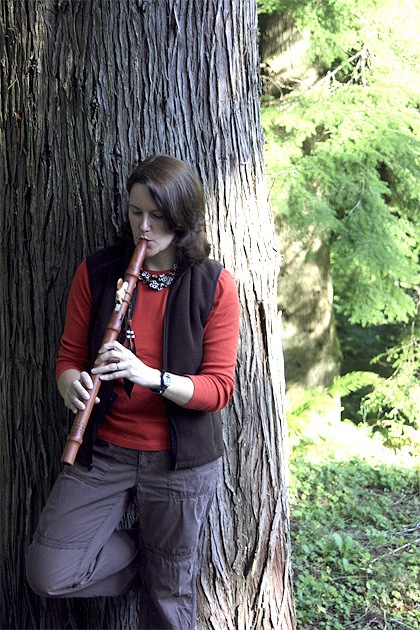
x,y
155,433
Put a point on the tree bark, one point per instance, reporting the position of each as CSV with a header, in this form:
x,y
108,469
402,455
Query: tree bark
x,y
87,89
310,343
284,51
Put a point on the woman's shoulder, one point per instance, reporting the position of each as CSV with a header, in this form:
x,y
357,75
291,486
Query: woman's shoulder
x,y
212,267
218,269
227,286
224,283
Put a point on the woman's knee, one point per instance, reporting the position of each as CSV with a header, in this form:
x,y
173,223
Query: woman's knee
x,y
44,570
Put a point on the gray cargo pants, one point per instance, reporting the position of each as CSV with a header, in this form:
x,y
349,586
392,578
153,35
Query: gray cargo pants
x,y
77,551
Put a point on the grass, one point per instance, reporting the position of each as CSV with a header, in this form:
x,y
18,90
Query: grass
x,y
355,512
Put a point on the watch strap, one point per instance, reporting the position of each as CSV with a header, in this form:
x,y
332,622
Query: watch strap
x,y
165,381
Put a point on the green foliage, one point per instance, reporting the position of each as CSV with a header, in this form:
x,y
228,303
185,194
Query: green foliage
x,y
354,524
344,156
336,25
343,159
389,405
303,403
328,173
353,551
393,406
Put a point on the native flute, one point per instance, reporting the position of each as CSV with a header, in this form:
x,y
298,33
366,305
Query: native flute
x,y
124,295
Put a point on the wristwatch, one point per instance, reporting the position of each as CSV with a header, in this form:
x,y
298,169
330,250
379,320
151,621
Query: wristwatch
x,y
165,381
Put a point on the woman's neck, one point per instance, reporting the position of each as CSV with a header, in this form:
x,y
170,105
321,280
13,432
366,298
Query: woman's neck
x,y
162,261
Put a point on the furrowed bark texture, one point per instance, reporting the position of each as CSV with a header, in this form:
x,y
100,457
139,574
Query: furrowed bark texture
x,y
87,89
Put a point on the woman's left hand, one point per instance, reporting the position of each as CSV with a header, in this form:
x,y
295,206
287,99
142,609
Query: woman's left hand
x,y
116,361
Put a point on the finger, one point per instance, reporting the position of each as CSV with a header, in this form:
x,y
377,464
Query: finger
x,y
111,345
106,356
69,405
80,405
75,405
109,369
110,357
80,391
86,380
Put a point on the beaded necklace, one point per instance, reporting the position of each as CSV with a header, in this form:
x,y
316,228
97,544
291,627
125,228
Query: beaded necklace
x,y
158,281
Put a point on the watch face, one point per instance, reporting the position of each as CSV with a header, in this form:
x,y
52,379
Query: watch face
x,y
166,379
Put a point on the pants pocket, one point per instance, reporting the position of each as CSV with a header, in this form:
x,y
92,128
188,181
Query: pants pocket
x,y
189,483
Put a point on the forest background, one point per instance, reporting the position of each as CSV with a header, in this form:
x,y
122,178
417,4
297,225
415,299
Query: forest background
x,y
341,115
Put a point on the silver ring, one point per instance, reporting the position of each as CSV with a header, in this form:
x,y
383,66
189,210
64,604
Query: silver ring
x,y
118,367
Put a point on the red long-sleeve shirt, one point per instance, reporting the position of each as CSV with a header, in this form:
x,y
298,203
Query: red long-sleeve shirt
x,y
140,421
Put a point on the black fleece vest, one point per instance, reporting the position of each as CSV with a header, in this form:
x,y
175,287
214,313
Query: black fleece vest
x,y
196,436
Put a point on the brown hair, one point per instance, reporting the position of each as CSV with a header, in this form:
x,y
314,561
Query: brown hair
x,y
179,195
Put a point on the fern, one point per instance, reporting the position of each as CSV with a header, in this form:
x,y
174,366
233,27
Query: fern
x,y
308,400
353,382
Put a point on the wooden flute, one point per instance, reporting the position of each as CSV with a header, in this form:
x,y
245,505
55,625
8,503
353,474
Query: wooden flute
x,y
132,273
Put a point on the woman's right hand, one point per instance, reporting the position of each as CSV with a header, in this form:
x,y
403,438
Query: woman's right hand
x,y
75,391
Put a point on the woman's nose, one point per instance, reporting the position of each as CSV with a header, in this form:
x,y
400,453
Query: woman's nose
x,y
145,223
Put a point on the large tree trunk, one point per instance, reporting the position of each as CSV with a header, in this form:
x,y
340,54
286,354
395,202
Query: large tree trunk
x,y
284,51
88,88
310,343
311,348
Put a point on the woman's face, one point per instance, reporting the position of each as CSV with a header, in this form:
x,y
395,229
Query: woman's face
x,y
147,221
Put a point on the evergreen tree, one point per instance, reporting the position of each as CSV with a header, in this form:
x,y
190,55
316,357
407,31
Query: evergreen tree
x,y
345,154
344,159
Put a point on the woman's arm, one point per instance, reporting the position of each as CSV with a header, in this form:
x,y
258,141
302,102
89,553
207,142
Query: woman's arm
x,y
73,381
215,383
73,352
116,361
211,389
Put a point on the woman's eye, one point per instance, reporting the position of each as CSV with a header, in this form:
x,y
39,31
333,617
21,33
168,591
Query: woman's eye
x,y
157,216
